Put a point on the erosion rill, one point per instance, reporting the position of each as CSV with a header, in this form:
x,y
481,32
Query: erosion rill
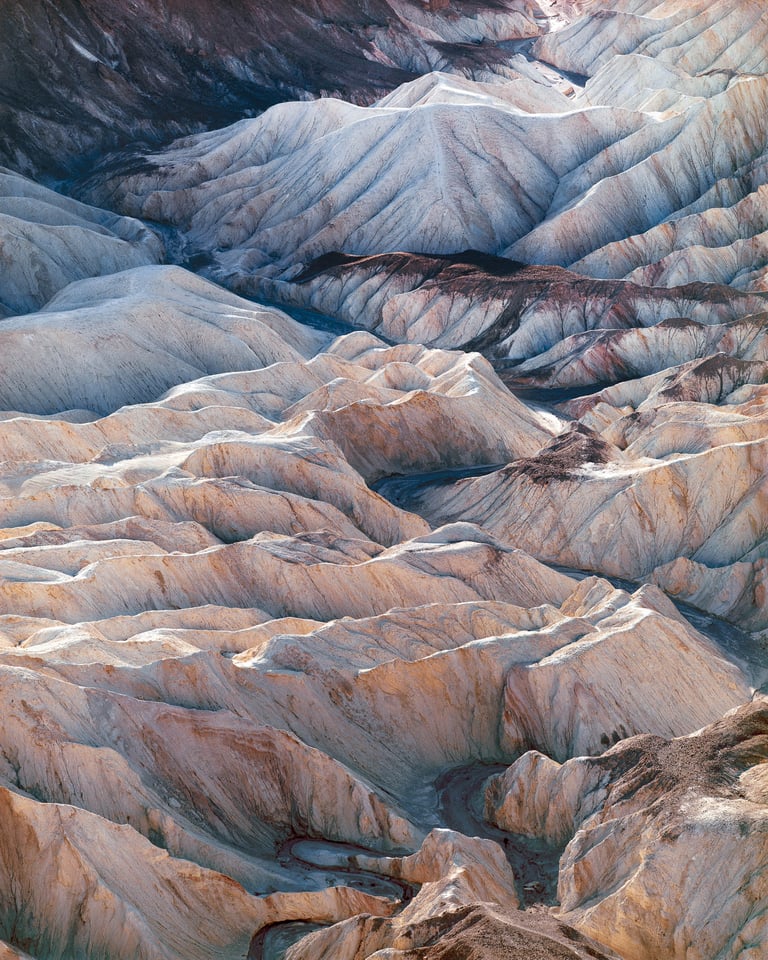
x,y
384,480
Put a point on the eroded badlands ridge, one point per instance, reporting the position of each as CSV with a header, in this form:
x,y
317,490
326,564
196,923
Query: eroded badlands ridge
x,y
448,165
383,499
82,76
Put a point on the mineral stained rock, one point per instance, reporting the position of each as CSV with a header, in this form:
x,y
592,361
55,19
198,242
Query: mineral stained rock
x,y
646,810
586,186
82,76
383,480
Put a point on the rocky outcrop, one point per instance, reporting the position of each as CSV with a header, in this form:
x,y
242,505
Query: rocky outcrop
x,y
485,173
638,512
365,628
202,586
698,37
614,356
473,930
466,903
538,187
164,327
568,330
84,77
737,591
724,245
645,811
111,891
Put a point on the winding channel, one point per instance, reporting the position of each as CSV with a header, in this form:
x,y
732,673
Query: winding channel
x,y
330,862
460,806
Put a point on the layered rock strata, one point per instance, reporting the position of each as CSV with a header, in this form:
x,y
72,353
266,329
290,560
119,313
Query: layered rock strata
x,y
428,618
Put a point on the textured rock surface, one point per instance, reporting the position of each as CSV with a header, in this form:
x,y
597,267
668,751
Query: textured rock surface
x,y
492,174
466,906
81,77
569,329
172,577
47,241
647,810
696,36
415,607
163,326
480,171
586,503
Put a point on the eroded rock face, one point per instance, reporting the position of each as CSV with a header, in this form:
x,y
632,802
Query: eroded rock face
x,y
202,585
162,325
466,906
697,37
47,241
574,187
555,328
642,511
83,77
645,811
364,629
475,199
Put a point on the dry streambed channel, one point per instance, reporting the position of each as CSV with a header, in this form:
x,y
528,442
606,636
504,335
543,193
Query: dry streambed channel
x,y
323,863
